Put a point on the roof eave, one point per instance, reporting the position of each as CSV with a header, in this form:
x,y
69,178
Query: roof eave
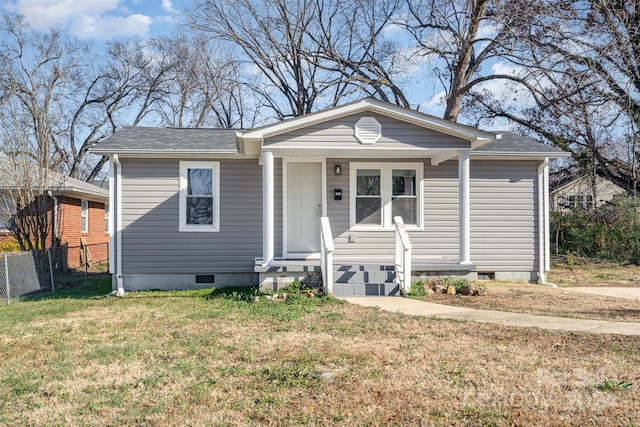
x,y
416,117
524,154
164,152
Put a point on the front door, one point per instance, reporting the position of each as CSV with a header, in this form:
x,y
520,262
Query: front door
x,y
303,208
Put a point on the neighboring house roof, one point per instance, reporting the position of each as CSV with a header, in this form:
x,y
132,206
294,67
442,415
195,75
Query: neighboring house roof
x,y
146,140
583,183
58,183
230,142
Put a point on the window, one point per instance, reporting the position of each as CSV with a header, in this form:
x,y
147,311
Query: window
x,y
368,197
84,215
580,201
199,200
106,217
7,211
404,198
380,191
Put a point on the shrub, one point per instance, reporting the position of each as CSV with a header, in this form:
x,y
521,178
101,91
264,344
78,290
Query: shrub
x,y
610,233
456,282
10,244
419,289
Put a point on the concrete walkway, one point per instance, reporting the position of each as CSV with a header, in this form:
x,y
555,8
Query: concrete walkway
x,y
608,291
422,308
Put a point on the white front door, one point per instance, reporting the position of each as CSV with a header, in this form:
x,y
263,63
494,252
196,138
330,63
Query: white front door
x,y
303,208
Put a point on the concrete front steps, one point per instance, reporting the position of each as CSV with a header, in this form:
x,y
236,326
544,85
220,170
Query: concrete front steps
x,y
364,279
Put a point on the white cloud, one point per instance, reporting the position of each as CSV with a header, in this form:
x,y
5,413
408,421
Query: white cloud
x,y
168,6
90,27
102,19
435,105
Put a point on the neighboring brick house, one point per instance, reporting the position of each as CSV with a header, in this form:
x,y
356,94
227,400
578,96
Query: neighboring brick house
x,y
77,211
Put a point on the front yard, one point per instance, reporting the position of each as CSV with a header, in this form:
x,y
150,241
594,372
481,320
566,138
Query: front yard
x,y
197,358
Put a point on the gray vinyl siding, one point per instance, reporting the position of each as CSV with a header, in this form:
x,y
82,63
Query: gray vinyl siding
x,y
151,240
503,205
504,215
440,234
339,133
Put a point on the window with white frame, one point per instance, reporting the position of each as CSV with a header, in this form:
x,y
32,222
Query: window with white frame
x,y
380,191
199,196
106,217
579,201
84,216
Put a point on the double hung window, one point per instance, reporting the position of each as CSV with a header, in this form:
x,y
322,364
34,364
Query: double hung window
x,y
380,191
84,216
199,196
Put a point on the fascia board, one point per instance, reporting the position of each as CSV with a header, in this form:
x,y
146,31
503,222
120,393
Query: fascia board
x,y
385,109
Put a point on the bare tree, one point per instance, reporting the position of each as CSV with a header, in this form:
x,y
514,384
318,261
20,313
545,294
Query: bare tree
x,y
38,69
274,38
308,54
583,82
461,38
203,88
350,43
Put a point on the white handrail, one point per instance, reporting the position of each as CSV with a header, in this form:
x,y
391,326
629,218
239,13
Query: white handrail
x,y
326,255
402,256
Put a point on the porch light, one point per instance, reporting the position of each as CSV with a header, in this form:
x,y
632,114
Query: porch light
x,y
338,170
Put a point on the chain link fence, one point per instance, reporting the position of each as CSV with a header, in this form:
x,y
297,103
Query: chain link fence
x,y
19,275
24,273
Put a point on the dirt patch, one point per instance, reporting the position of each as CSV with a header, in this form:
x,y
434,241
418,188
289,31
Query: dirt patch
x,y
595,275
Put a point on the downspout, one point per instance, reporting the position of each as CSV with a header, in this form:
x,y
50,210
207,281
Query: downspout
x,y
116,196
55,215
543,223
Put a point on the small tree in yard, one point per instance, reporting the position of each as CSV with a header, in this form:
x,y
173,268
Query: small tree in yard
x,y
25,202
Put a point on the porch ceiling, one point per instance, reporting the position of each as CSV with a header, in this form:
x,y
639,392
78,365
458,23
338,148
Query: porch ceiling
x,y
368,152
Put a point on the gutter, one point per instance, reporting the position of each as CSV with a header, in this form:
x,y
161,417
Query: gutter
x,y
522,154
543,224
115,197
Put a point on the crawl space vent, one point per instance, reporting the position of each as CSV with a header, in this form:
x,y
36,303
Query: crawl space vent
x,y
205,278
367,130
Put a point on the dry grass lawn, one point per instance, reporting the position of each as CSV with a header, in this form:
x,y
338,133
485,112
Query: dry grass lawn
x,y
536,299
166,359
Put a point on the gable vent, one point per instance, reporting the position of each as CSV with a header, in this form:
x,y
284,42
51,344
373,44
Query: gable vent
x,y
367,130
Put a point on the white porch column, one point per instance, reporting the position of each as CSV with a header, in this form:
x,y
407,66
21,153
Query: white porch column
x,y
464,237
268,203
547,228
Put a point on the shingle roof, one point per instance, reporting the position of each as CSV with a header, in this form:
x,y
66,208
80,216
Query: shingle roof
x,y
180,140
510,143
188,141
57,182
